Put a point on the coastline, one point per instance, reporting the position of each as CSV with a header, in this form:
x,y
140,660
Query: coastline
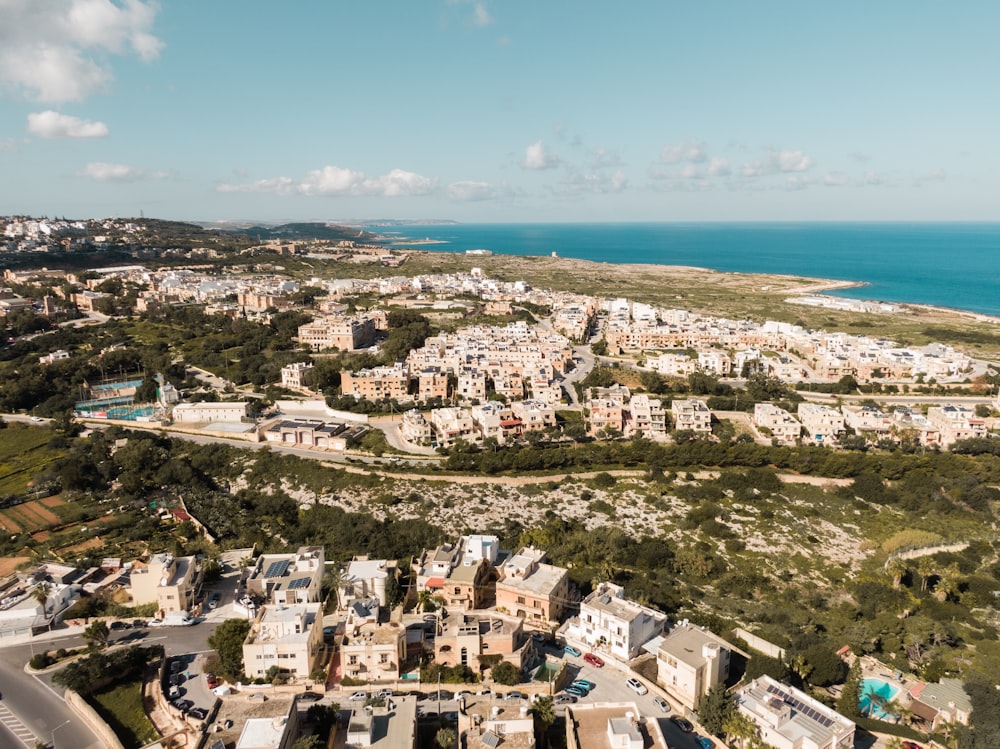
x,y
899,261
763,283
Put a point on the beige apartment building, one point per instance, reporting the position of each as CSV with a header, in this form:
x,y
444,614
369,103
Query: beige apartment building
x,y
532,590
377,383
170,582
374,652
689,662
691,415
343,333
781,426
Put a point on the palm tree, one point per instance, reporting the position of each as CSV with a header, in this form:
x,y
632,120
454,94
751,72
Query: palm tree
x,y
740,728
896,567
333,581
41,594
545,715
97,635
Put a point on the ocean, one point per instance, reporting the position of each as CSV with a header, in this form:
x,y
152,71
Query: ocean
x,y
943,264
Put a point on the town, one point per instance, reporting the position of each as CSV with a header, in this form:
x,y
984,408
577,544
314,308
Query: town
x,y
407,378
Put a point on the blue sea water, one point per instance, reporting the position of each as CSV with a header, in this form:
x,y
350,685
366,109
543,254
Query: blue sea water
x,y
949,265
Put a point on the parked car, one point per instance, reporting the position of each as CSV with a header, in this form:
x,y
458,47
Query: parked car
x,y
357,696
704,743
138,623
593,660
383,693
119,625
682,724
564,699
911,745
214,600
310,697
183,705
515,695
198,713
636,686
662,704
583,684
575,691
570,650
176,666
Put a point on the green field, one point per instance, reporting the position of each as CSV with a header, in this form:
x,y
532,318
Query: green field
x,y
121,708
24,453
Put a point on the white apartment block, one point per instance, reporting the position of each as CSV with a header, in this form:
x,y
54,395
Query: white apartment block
x,y
450,424
867,420
289,637
297,375
415,428
646,417
715,362
782,425
612,624
822,423
691,414
788,718
471,385
689,662
344,333
534,415
673,365
169,582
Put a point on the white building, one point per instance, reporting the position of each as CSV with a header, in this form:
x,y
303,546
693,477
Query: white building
x,y
297,375
207,413
790,719
611,623
782,426
691,415
822,423
289,637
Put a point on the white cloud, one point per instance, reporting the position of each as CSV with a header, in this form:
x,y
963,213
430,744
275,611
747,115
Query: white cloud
x,y
49,124
335,180
594,182
797,182
8,146
872,178
536,157
467,191
105,172
57,50
691,172
860,156
690,151
481,16
790,161
777,161
718,166
604,158
835,179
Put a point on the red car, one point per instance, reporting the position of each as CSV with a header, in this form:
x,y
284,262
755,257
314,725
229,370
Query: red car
x,y
911,745
593,660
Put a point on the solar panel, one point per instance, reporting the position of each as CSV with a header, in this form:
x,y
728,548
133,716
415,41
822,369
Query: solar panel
x,y
277,569
299,582
491,740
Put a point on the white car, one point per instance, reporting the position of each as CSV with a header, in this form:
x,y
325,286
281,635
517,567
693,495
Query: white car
x,y
357,696
636,686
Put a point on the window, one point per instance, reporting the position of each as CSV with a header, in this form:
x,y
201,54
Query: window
x,y
383,658
520,599
352,660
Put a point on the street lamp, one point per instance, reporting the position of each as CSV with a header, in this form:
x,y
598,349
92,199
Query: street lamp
x,y
65,723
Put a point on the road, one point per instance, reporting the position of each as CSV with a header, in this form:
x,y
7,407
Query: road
x,y
38,705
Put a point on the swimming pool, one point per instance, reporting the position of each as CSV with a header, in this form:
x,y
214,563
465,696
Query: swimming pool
x,y
879,689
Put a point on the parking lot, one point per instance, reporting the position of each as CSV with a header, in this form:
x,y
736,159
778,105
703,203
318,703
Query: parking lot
x,y
611,687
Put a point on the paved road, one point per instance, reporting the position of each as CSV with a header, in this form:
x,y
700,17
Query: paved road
x,y
39,706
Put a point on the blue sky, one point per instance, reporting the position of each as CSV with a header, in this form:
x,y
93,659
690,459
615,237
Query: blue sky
x,y
500,110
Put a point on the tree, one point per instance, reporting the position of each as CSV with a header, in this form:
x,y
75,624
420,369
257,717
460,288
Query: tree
x,y
714,709
227,640
312,741
41,594
739,728
445,738
849,702
97,635
544,715
506,673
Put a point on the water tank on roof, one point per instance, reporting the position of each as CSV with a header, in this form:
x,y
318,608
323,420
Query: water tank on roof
x,y
710,650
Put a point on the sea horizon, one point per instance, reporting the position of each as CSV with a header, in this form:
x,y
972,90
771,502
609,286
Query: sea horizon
x,y
947,264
